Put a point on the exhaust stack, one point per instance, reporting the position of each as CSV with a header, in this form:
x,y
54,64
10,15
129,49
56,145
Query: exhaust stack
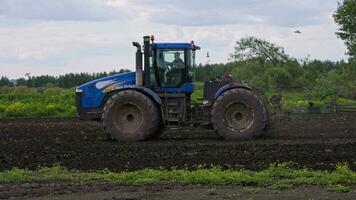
x,y
146,53
139,74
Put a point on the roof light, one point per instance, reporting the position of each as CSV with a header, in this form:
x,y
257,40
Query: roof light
x,y
152,38
192,44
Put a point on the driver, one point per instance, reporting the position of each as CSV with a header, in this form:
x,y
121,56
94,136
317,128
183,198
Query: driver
x,y
174,73
177,63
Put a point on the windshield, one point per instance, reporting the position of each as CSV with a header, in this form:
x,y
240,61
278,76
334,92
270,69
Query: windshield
x,y
171,67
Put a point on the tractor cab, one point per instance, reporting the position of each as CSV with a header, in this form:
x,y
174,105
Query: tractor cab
x,y
172,65
168,66
168,71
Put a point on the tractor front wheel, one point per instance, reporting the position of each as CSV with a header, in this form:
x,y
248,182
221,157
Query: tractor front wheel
x,y
238,114
130,115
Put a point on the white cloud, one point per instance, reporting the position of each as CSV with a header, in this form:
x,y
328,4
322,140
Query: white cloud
x,y
289,13
73,10
43,40
96,35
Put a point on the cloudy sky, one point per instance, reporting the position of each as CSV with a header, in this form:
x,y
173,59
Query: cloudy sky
x,y
58,37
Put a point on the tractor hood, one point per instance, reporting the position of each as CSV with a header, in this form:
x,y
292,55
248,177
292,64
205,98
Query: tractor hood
x,y
99,85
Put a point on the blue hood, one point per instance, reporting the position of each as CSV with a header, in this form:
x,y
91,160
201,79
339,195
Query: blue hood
x,y
100,84
93,91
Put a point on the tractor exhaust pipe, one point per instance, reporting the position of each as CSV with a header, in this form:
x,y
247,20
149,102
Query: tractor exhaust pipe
x,y
139,74
146,53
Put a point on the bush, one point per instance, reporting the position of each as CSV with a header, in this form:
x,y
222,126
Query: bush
x,y
39,102
278,78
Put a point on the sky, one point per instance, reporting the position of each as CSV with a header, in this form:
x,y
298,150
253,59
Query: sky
x,y
45,37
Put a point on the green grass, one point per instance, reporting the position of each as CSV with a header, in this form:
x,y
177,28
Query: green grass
x,y
58,102
198,92
36,102
275,177
298,102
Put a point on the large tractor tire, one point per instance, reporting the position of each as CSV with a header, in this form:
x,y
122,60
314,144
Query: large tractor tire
x,y
239,114
131,116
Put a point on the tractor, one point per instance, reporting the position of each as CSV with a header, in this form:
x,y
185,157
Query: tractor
x,y
137,106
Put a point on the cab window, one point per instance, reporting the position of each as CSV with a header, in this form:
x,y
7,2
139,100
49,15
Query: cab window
x,y
171,67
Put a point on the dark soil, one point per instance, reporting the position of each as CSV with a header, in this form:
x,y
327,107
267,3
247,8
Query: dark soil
x,y
30,143
106,191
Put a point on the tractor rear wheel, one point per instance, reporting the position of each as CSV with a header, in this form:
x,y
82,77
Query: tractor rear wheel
x,y
239,114
130,116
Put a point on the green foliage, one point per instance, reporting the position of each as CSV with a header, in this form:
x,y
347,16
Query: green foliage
x,y
36,102
4,81
198,92
268,76
340,81
265,66
339,188
345,17
252,48
209,72
278,77
276,177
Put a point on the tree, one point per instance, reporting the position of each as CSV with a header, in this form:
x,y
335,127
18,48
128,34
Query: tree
x,y
252,48
4,81
279,78
21,82
345,17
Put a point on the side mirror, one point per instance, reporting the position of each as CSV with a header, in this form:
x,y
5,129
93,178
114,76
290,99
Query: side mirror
x,y
136,44
196,47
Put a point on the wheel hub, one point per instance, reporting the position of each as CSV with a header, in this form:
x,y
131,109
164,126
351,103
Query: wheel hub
x,y
128,118
238,116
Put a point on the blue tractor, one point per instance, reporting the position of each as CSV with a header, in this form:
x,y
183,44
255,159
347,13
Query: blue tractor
x,y
138,105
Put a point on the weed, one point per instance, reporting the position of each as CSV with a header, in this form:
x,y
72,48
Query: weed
x,y
275,177
338,188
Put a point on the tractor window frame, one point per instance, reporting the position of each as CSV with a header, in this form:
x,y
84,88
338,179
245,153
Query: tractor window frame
x,y
190,65
184,75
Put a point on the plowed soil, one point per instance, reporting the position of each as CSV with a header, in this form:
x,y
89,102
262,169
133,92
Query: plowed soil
x,y
30,143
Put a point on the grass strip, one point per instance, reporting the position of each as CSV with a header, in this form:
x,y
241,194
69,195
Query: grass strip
x,y
275,177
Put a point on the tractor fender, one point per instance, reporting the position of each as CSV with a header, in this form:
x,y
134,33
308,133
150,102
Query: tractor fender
x,y
148,92
229,87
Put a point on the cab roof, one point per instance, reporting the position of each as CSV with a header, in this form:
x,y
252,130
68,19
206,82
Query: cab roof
x,y
173,46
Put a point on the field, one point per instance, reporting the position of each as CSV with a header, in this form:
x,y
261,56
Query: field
x,y
307,149
301,155
100,162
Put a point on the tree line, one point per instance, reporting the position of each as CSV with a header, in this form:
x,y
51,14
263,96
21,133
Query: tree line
x,y
63,81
